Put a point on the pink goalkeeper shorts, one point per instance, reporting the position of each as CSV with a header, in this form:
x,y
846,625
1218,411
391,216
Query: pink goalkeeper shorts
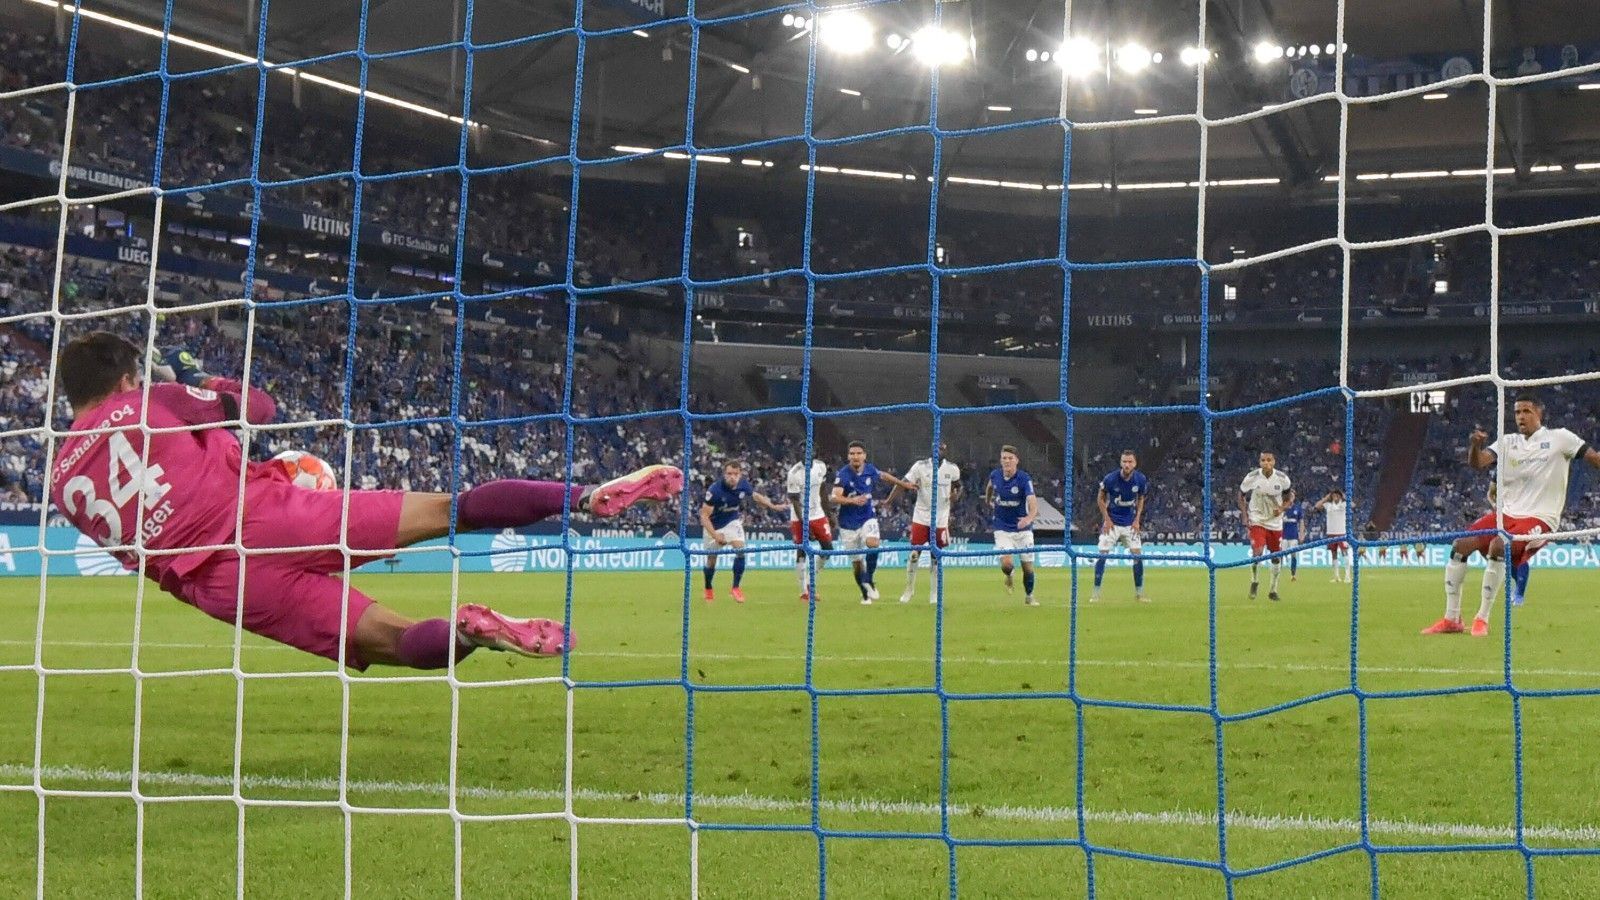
x,y
297,598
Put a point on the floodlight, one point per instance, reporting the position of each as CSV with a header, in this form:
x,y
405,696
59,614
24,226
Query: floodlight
x,y
1078,56
936,47
846,32
1133,58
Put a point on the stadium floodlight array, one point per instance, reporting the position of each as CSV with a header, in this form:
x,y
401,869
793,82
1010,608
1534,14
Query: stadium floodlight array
x,y
163,187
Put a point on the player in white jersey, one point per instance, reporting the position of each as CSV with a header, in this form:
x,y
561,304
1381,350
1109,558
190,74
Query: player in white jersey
x,y
926,481
814,509
1263,496
1534,464
1337,527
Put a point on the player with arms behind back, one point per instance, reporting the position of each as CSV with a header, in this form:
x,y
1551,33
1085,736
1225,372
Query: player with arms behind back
x,y
1121,499
1333,507
722,522
808,516
1534,464
924,480
1263,495
176,493
1010,490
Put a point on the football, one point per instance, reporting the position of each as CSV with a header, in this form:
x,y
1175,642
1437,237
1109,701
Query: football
x,y
307,471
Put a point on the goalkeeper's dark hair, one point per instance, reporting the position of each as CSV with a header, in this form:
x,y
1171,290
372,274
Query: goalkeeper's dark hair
x,y
91,366
855,444
1007,448
1529,397
1128,453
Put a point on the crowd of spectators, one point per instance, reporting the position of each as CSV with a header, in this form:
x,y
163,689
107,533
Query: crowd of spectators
x,y
640,233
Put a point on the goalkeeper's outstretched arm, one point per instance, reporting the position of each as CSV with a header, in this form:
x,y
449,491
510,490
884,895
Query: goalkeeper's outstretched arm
x,y
209,399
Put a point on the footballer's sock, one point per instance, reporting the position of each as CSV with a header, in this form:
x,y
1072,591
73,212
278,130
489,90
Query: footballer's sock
x,y
1255,576
738,568
911,575
1277,570
1455,572
1138,576
427,645
872,567
1520,576
1027,582
1294,564
1494,578
1099,570
711,572
861,579
510,502
800,572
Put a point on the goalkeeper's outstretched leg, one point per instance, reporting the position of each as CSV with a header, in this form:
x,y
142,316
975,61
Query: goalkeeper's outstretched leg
x,y
291,598
383,636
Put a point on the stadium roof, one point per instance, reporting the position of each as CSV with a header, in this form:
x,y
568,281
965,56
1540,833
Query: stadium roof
x,y
752,76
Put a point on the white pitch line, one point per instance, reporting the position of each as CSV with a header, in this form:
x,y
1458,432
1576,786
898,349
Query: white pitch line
x,y
858,806
1494,671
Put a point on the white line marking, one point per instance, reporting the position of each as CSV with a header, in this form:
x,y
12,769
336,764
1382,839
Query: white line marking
x,y
1491,671
858,806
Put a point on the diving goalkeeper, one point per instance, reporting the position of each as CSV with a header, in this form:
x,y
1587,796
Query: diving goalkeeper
x,y
179,499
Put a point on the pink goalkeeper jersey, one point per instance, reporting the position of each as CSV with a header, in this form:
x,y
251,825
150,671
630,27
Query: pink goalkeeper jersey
x,y
190,484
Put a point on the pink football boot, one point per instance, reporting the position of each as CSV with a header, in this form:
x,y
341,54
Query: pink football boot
x,y
484,627
649,483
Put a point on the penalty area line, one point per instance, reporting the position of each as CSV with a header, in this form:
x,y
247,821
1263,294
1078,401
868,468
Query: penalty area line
x,y
1405,828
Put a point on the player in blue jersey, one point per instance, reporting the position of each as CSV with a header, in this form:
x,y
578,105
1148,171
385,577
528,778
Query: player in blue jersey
x,y
1122,497
722,524
1010,490
853,487
1292,515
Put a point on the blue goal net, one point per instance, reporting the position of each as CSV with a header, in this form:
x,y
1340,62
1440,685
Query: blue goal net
x,y
391,240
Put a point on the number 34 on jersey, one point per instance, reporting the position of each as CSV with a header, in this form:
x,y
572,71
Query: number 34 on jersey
x,y
127,476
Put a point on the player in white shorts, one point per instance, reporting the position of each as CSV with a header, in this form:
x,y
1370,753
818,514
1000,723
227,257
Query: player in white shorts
x,y
853,487
922,480
1333,506
1010,491
815,508
722,523
1121,500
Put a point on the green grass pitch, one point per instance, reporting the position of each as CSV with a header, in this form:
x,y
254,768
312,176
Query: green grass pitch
x,y
1440,768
